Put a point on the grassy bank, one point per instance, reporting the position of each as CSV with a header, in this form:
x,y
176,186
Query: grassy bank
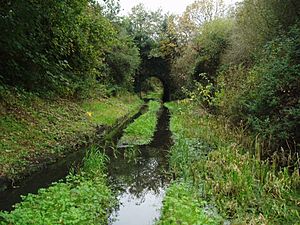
x,y
84,198
141,131
216,171
35,130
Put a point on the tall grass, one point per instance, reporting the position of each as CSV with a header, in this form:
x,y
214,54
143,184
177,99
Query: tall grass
x,y
220,163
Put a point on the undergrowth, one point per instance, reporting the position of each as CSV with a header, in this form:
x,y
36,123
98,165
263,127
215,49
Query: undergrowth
x,y
35,130
182,206
84,198
141,131
225,173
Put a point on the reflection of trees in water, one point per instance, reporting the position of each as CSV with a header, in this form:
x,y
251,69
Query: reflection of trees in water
x,y
142,176
145,175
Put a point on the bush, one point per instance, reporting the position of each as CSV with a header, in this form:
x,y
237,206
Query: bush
x,y
273,105
256,23
212,41
266,98
56,45
123,60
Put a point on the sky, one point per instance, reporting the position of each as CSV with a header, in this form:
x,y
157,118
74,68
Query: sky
x,y
173,6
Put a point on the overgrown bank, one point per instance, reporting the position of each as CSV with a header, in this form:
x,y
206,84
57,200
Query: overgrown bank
x,y
218,178
36,131
84,198
141,131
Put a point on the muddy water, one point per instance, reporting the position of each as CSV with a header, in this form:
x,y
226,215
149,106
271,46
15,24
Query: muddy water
x,y
140,183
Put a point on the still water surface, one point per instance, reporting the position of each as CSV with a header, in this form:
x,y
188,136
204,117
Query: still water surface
x,y
140,183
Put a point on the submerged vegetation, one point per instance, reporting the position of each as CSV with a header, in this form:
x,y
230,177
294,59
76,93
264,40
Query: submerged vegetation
x,y
84,198
141,131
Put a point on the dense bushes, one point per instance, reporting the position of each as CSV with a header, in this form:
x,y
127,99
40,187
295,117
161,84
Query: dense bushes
x,y
123,60
272,105
266,97
247,68
212,41
61,46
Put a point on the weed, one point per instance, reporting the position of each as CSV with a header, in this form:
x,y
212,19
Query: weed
x,y
182,206
84,198
211,155
141,131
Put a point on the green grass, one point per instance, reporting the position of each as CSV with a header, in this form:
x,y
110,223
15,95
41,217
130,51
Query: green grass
x,y
215,158
84,198
107,111
35,130
141,131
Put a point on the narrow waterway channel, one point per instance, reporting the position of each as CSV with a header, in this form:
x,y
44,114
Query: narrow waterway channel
x,y
140,183
52,173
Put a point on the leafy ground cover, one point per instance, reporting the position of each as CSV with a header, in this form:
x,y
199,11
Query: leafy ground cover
x,y
36,130
84,198
183,206
211,156
141,131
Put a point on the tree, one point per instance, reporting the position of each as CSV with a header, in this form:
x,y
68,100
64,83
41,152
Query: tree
x,y
53,45
111,9
195,16
202,11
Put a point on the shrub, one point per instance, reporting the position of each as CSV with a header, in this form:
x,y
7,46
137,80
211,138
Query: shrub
x,y
56,45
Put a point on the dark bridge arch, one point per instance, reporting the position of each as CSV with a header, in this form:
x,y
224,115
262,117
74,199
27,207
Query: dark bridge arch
x,y
155,67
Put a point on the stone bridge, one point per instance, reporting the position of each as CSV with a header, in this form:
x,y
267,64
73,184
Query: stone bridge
x,y
159,68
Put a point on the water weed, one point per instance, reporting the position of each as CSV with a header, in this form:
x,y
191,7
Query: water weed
x,y
84,198
141,131
183,206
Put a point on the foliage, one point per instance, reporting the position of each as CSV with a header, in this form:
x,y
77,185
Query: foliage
x,y
273,103
83,199
55,46
141,131
145,26
246,67
201,58
202,11
211,155
123,60
111,9
182,207
212,41
34,129
258,22
266,98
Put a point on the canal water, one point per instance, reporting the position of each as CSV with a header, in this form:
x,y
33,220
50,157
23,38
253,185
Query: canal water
x,y
141,182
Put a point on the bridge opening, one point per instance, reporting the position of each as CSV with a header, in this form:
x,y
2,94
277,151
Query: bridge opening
x,y
154,88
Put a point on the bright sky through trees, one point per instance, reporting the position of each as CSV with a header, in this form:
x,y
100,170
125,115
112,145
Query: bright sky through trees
x,y
173,6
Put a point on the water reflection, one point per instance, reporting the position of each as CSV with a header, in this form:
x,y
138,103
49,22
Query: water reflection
x,y
140,183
